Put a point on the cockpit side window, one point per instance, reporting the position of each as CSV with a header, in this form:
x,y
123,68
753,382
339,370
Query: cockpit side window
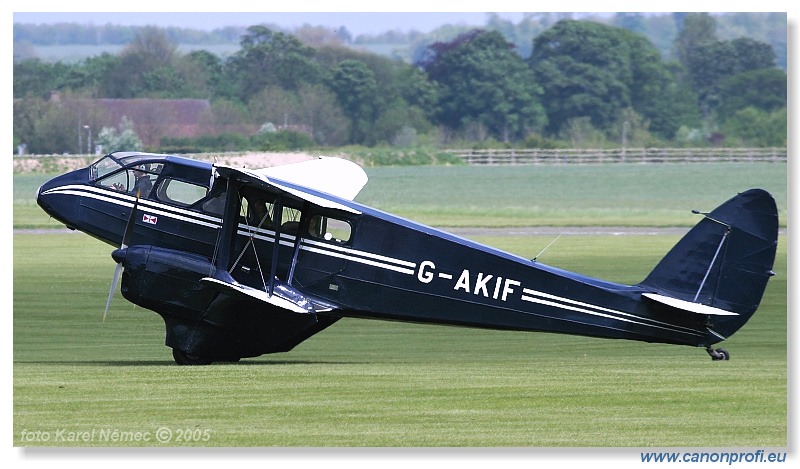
x,y
120,181
178,192
137,180
330,229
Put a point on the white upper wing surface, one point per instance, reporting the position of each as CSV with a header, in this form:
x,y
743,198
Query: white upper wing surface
x,y
334,176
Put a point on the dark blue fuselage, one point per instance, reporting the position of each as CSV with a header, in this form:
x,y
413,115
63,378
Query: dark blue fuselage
x,y
388,268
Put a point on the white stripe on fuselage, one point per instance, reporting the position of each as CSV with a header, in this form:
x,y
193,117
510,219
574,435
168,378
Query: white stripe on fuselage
x,y
189,216
533,296
362,257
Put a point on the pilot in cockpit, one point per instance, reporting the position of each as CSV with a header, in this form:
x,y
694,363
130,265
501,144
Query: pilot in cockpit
x,y
143,184
260,213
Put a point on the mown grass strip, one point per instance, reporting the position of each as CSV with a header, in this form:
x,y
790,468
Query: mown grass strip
x,y
369,383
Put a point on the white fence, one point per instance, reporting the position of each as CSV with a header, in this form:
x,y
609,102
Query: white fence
x,y
619,155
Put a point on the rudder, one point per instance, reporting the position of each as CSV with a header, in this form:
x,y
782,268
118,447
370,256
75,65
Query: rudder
x,y
725,261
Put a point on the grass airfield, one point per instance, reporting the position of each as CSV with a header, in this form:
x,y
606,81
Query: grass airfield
x,y
79,381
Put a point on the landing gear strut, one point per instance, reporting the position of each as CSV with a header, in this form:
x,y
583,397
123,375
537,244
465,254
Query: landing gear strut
x,y
718,354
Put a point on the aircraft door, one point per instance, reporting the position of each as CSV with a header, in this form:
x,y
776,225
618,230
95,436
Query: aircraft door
x,y
323,255
311,248
254,245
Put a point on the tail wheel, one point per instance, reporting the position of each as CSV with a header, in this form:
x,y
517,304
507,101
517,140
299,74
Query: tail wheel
x,y
183,358
719,354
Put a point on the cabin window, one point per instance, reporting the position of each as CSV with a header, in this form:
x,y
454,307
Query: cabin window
x,y
330,229
138,179
216,204
290,220
120,181
258,211
180,192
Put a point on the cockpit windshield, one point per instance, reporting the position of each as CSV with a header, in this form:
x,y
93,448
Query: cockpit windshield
x,y
104,166
110,163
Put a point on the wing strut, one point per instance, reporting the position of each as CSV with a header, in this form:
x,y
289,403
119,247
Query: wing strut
x,y
230,221
305,220
278,214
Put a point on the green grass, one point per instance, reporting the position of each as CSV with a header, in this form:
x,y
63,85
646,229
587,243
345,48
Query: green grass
x,y
370,383
563,195
559,195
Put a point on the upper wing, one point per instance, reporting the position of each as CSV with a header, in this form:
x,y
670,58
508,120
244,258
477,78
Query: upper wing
x,y
299,189
334,176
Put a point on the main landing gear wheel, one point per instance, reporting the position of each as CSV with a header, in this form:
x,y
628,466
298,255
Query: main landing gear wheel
x,y
718,354
183,358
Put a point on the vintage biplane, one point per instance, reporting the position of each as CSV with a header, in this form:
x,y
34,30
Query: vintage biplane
x,y
241,262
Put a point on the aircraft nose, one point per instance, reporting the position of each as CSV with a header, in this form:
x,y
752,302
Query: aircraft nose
x,y
58,199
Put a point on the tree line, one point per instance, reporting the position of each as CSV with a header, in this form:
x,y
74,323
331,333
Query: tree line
x,y
584,83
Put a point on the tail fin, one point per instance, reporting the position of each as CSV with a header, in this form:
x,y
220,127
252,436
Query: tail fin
x,y
724,261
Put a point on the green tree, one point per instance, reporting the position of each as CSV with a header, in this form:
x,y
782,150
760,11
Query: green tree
x,y
94,76
709,61
580,132
358,94
275,105
756,127
271,58
764,89
482,82
37,78
151,55
124,138
752,54
205,75
594,70
694,30
27,113
311,107
56,125
319,111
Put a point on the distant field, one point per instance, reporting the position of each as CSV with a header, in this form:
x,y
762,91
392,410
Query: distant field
x,y
611,195
370,383
74,53
559,195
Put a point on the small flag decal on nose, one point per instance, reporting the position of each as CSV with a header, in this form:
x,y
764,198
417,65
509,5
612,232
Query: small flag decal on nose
x,y
152,219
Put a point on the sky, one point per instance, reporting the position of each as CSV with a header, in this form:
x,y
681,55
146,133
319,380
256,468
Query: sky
x,y
357,23
358,17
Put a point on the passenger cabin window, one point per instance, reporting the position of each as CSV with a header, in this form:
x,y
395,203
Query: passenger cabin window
x,y
258,211
180,192
290,220
330,229
216,204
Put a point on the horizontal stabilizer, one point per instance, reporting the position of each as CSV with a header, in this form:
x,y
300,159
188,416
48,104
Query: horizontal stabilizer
x,y
298,304
688,305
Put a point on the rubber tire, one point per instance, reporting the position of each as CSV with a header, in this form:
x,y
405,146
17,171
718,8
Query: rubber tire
x,y
720,354
183,358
